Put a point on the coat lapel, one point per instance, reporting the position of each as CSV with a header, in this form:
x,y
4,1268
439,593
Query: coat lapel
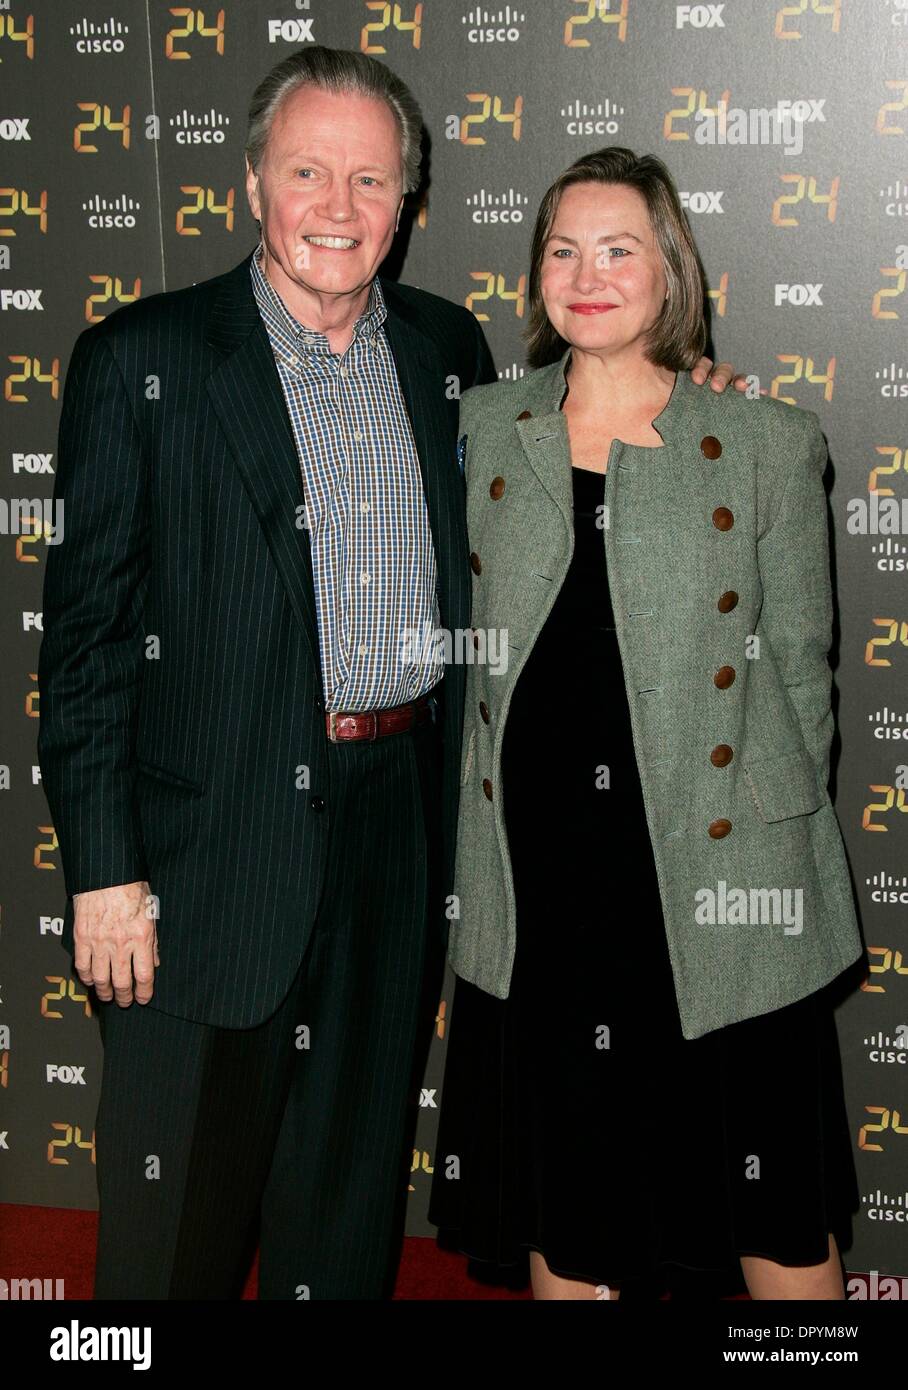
x,y
246,393
544,437
422,381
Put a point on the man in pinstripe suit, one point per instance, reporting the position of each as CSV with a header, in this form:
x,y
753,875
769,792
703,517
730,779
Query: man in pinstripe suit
x,y
252,769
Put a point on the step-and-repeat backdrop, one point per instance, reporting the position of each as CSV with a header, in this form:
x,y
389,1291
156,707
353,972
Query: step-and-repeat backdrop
x,y
786,127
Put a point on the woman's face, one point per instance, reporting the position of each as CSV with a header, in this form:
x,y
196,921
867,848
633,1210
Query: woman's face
x,y
602,279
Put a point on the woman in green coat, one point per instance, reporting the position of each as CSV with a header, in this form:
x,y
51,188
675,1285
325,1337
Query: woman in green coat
x,y
653,907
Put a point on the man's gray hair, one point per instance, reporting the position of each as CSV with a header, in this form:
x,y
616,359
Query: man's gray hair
x,y
342,71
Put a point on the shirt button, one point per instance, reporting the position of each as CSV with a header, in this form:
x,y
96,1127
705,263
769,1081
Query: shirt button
x,y
363,649
358,437
294,361
365,506
365,577
344,371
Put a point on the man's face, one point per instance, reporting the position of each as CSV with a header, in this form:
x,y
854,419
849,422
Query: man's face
x,y
328,192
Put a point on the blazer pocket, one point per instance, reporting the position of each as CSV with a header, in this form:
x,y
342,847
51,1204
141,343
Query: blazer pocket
x,y
468,759
784,785
173,779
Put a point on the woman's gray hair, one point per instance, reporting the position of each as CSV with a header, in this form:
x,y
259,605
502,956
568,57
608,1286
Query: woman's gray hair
x,y
342,71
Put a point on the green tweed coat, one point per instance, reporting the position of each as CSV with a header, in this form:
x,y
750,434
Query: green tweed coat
x,y
717,557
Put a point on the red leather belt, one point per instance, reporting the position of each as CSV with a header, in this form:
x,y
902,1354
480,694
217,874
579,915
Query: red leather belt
x,y
376,723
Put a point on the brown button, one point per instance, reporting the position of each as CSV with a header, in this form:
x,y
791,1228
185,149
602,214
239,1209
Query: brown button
x,y
728,601
710,446
724,677
721,755
476,640
719,829
487,787
525,415
723,519
496,488
484,711
475,563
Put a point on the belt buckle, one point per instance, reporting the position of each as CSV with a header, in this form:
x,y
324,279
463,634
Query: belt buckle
x,y
334,715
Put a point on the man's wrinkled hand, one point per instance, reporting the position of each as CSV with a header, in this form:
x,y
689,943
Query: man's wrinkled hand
x,y
116,942
719,376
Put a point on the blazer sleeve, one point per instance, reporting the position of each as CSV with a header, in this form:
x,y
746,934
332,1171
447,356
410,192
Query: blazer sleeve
x,y
796,617
90,664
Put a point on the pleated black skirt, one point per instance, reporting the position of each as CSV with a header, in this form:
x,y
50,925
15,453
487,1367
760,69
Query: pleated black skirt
x,y
584,1124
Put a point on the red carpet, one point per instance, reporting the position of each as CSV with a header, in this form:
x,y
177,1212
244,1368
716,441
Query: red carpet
x,y
54,1243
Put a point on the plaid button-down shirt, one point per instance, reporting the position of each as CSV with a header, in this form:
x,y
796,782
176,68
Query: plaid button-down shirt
x,y
373,559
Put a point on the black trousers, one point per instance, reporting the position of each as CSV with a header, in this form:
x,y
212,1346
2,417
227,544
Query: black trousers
x,y
303,1121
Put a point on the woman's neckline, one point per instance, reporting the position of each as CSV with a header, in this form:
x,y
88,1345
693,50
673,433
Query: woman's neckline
x,y
673,398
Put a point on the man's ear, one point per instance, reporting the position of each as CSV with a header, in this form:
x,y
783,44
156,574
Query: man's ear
x,y
252,191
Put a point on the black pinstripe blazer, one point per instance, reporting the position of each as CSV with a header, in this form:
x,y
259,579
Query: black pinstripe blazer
x,y
180,679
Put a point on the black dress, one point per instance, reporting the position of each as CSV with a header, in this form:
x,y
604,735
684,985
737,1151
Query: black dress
x,y
627,1154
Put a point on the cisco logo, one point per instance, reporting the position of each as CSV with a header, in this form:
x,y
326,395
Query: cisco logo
x,y
600,119
199,130
90,37
488,208
497,27
102,213
896,196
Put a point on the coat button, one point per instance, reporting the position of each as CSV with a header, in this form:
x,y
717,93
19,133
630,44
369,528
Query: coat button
x,y
723,519
487,787
484,711
728,601
724,677
710,446
496,488
721,755
719,829
476,640
525,415
476,565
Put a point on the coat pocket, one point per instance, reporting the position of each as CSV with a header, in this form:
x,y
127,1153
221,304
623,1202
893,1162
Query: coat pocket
x,y
784,785
173,779
468,759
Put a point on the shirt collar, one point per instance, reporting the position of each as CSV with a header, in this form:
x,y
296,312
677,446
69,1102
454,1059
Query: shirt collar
x,y
279,319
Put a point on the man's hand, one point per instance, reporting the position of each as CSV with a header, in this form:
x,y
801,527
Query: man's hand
x,y
722,374
116,938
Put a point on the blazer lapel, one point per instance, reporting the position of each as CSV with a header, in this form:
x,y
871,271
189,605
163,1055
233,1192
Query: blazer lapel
x,y
422,380
543,435
245,391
